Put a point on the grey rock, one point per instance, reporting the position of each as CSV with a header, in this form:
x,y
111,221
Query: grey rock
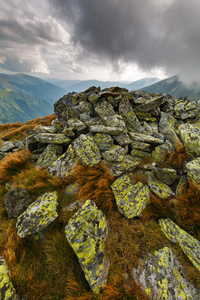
x,y
16,201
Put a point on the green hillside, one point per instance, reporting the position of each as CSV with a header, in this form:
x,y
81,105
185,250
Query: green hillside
x,y
32,86
175,88
18,107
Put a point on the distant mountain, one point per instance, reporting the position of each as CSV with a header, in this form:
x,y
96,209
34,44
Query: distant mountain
x,y
16,107
139,84
82,85
32,86
175,87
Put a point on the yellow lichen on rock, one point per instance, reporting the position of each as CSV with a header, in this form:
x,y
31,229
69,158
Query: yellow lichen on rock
x,y
189,245
7,291
86,232
38,215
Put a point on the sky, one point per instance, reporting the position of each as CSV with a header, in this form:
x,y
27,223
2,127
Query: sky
x,y
105,40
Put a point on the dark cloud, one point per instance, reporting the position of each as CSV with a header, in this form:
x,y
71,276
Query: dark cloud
x,y
149,33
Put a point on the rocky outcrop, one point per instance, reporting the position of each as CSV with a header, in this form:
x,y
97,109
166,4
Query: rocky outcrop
x,y
86,232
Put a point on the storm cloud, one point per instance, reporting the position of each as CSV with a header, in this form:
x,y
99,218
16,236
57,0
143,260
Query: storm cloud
x,y
149,33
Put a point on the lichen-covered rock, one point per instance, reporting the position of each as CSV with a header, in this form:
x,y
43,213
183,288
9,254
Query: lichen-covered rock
x,y
167,127
122,139
104,109
186,108
72,190
7,291
7,146
181,186
86,232
190,136
103,141
31,143
93,98
161,277
150,104
63,165
65,110
141,154
159,188
16,201
159,153
115,121
115,153
77,125
85,107
50,138
50,154
38,215
139,137
193,174
130,199
106,129
167,175
127,165
44,129
189,245
140,146
86,150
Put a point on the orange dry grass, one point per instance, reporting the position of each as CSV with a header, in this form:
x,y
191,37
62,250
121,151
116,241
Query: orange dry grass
x,y
13,163
119,288
188,211
95,185
18,130
176,158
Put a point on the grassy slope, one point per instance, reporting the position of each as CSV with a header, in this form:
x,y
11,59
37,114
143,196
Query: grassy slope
x,y
33,86
20,107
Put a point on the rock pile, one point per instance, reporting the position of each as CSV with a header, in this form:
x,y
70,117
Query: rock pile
x,y
126,131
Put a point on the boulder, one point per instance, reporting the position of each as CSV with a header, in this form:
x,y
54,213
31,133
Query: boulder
x,y
130,199
159,153
51,138
186,109
104,109
127,165
7,291
65,110
63,165
181,186
193,174
93,98
150,104
77,126
141,154
16,201
106,129
115,153
139,137
161,277
50,154
166,175
38,215
190,136
86,232
72,190
103,141
189,245
159,188
86,150
140,146
7,146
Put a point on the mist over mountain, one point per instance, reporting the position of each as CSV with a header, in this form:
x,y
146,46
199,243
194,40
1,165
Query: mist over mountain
x,y
175,87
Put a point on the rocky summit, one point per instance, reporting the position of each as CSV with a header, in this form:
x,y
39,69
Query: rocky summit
x,y
150,143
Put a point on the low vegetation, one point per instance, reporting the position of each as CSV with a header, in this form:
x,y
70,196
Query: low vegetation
x,y
47,268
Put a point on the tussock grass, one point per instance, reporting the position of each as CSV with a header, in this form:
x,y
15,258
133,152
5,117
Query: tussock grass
x,y
12,131
95,185
13,163
176,159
